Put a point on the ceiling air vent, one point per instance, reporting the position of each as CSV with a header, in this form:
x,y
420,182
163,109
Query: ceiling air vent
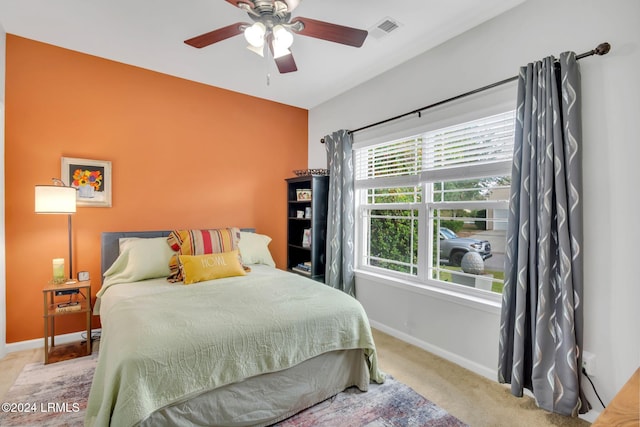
x,y
384,27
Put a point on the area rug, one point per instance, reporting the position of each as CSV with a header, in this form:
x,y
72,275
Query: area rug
x,y
392,404
49,395
56,395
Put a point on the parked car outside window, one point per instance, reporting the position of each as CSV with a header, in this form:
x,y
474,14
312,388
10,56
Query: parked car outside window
x,y
453,247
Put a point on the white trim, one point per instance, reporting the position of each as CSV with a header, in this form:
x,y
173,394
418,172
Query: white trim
x,y
39,343
452,357
590,416
488,204
474,367
470,171
392,207
489,302
388,182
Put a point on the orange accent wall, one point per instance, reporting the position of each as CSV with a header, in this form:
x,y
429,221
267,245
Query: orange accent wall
x,y
183,154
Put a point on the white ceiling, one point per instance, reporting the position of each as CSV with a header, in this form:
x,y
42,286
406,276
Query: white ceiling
x,y
150,34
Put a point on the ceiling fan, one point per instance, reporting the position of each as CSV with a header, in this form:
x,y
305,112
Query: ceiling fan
x,y
273,29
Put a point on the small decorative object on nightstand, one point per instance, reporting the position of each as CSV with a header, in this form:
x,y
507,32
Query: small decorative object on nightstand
x,y
60,300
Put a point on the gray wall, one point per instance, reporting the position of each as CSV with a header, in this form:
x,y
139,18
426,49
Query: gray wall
x,y
467,333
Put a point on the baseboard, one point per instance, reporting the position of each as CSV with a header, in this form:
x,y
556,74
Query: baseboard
x,y
590,416
39,343
461,361
452,357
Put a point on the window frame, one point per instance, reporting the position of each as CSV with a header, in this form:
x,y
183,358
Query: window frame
x,y
424,207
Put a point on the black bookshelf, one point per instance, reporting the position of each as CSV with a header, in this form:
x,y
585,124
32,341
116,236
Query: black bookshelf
x,y
307,198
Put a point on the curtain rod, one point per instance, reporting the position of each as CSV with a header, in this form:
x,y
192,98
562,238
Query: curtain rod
x,y
602,49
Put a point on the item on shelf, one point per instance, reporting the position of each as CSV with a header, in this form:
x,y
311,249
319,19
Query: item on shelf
x,y
301,271
310,172
303,194
306,266
64,308
306,238
67,292
307,212
300,214
69,303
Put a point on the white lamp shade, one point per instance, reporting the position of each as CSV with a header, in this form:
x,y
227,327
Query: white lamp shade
x,y
54,199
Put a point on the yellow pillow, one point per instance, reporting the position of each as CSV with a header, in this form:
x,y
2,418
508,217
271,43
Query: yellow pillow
x,y
198,268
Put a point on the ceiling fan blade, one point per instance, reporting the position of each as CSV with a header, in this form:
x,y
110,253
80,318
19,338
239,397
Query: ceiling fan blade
x,y
286,64
216,35
331,32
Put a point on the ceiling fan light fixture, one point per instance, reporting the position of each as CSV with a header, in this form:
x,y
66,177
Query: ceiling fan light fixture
x,y
279,52
257,50
255,34
282,38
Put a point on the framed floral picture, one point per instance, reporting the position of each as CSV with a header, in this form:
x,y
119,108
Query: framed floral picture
x,y
92,178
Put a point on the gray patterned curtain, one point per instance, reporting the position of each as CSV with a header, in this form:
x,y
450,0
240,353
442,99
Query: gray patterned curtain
x,y
341,216
542,324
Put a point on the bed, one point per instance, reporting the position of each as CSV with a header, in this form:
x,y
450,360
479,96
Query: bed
x,y
250,349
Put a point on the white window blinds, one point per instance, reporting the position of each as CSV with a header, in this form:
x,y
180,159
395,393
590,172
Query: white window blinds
x,y
395,158
476,148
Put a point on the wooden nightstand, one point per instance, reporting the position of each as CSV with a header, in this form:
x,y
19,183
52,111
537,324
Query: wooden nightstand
x,y
56,303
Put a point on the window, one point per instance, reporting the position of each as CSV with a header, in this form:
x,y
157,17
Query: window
x,y
426,201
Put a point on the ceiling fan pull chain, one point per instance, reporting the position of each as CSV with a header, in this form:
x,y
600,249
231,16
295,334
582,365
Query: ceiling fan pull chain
x,y
267,63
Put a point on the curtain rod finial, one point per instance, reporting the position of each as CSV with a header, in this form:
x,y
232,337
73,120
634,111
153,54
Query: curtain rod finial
x,y
602,49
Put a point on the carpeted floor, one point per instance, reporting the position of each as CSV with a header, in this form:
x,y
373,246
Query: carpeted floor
x,y
56,395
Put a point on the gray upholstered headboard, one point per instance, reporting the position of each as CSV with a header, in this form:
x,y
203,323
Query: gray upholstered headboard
x,y
110,244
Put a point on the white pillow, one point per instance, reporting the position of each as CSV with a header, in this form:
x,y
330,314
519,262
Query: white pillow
x,y
254,250
141,259
124,241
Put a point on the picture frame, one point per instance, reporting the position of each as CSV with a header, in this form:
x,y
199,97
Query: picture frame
x,y
303,194
92,178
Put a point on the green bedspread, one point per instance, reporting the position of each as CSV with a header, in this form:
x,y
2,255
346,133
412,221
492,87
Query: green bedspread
x,y
164,343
